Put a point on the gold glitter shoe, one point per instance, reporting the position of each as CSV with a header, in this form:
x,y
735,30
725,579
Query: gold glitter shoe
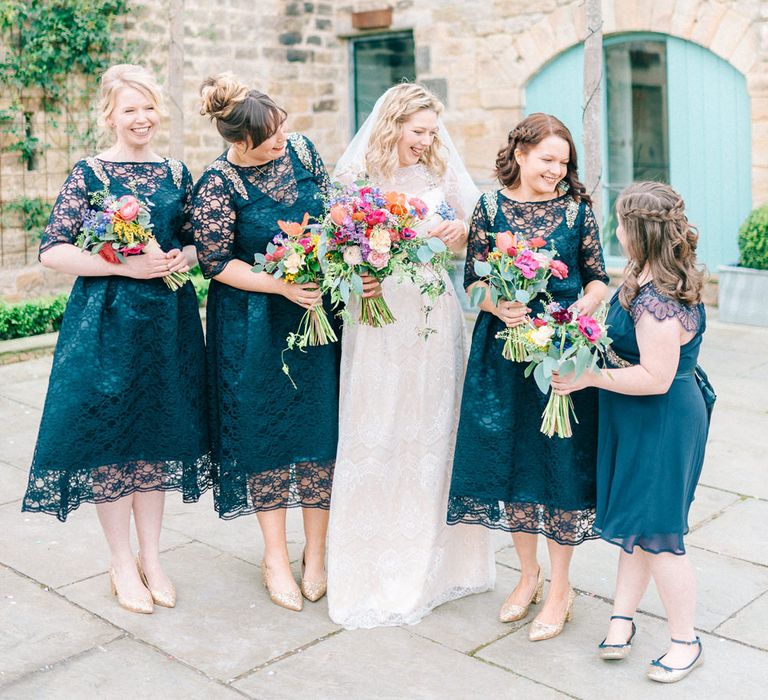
x,y
135,605
290,600
166,598
540,630
616,652
512,613
660,673
312,590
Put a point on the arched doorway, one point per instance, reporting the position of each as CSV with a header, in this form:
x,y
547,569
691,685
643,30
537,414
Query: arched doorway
x,y
672,111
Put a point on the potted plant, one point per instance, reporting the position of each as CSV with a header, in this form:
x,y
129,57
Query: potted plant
x,y
743,289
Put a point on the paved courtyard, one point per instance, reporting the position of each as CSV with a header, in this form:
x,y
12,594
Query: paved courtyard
x,y
63,636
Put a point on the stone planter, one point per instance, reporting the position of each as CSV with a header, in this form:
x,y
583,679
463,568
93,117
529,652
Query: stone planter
x,y
743,295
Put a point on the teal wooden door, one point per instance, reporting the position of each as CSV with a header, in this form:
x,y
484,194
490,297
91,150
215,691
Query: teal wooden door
x,y
709,146
708,133
557,89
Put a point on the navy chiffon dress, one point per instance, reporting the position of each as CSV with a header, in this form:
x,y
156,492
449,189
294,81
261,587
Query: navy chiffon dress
x,y
508,475
273,446
650,448
126,404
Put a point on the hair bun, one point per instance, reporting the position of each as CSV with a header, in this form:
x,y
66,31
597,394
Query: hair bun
x,y
522,134
220,93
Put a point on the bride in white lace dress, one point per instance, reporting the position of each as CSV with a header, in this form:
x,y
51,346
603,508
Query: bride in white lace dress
x,y
391,556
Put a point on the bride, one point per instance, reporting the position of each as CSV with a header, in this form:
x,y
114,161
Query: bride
x,y
391,556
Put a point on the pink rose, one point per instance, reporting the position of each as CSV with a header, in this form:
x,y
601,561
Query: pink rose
x,y
307,244
527,264
378,260
128,207
559,269
505,242
376,217
589,328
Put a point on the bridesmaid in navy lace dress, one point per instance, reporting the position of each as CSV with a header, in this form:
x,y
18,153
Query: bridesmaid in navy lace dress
x,y
507,474
125,416
653,421
274,446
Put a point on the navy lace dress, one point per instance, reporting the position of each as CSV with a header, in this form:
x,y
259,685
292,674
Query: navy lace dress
x,y
274,446
507,475
646,478
125,409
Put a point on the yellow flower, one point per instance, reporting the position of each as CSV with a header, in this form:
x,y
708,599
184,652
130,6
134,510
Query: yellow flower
x,y
494,255
290,278
130,232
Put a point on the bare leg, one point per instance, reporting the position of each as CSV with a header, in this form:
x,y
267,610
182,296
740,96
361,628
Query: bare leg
x,y
315,531
631,583
557,597
115,519
272,524
525,547
676,582
148,507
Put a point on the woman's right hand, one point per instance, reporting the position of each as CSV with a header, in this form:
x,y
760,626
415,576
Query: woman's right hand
x,y
511,313
147,265
371,287
305,295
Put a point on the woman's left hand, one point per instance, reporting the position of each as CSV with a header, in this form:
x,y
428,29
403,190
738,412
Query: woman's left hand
x,y
586,305
177,261
564,384
450,232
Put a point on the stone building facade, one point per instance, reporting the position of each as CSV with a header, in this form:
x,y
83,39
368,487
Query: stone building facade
x,y
479,55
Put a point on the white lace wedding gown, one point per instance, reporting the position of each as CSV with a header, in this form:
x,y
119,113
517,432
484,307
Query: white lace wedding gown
x,y
391,556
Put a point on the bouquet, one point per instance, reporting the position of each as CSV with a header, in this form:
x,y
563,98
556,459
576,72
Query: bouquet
x,y
368,231
292,256
118,227
517,270
564,342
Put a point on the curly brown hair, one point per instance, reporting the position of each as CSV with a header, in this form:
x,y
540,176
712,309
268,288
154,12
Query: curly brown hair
x,y
658,237
529,132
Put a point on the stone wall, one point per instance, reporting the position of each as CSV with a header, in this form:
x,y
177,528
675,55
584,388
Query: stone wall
x,y
478,53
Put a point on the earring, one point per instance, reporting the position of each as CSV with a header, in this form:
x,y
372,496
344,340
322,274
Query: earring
x,y
563,186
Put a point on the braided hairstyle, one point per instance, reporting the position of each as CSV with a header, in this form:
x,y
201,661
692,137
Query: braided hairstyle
x,y
658,237
527,134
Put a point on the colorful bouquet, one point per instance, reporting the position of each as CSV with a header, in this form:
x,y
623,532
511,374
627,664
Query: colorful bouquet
x,y
564,342
293,257
516,270
121,226
370,232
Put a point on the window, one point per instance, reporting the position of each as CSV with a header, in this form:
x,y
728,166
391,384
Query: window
x,y
378,63
637,121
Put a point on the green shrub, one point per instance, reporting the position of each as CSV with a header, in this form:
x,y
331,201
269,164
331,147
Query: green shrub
x,y
31,318
200,284
753,240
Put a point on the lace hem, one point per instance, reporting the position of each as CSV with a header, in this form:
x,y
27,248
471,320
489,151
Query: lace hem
x,y
300,485
382,618
58,492
569,527
662,307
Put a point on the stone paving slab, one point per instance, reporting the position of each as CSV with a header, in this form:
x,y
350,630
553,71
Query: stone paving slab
x,y
750,624
739,532
121,669
708,503
737,465
39,627
13,482
570,662
448,626
386,663
19,432
57,553
223,624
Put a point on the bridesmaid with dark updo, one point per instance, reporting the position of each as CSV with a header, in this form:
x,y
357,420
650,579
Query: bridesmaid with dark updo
x,y
274,446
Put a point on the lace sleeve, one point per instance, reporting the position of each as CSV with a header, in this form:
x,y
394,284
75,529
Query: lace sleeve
x,y
185,235
661,307
212,218
318,168
453,194
591,261
478,246
67,215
